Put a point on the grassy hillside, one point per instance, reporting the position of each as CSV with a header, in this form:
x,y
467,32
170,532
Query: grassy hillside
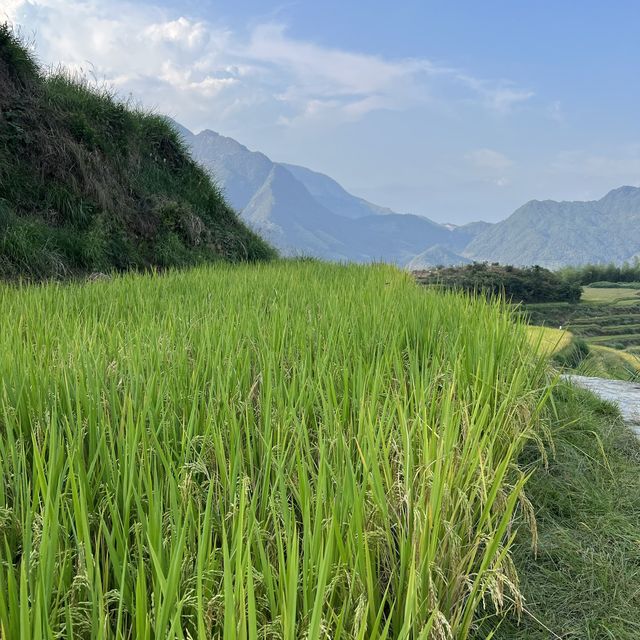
x,y
89,184
271,451
549,340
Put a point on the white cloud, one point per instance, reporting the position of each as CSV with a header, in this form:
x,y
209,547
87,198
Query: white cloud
x,y
489,159
332,71
184,32
501,97
186,81
489,166
622,165
191,68
555,111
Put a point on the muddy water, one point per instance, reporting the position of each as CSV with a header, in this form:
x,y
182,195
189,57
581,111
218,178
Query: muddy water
x,y
625,394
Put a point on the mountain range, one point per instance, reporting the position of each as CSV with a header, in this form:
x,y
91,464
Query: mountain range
x,y
555,234
303,212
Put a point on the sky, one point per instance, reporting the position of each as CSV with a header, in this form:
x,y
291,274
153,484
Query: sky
x,y
458,111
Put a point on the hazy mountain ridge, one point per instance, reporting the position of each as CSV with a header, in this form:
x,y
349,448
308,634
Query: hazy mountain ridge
x,y
239,172
332,195
304,212
436,256
555,234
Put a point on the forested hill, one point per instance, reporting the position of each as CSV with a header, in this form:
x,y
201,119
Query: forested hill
x,y
89,184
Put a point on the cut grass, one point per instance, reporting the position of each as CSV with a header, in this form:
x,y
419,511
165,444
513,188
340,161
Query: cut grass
x,y
281,451
582,580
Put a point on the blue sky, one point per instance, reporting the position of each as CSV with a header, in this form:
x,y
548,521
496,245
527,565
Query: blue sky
x,y
458,111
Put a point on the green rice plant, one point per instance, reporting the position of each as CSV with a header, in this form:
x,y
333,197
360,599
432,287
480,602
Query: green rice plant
x,y
288,450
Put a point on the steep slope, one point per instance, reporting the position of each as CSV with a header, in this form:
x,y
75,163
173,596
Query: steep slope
x,y
469,231
332,195
285,213
238,171
554,234
304,212
87,184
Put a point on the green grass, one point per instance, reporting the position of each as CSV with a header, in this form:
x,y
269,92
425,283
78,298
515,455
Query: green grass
x,y
292,450
606,362
621,329
602,322
581,579
596,313
614,285
624,340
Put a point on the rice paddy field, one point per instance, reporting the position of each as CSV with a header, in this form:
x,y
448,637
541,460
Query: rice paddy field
x,y
549,340
293,450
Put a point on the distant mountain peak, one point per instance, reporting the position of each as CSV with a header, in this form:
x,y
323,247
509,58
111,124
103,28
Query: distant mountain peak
x,y
554,234
623,192
435,256
209,136
333,195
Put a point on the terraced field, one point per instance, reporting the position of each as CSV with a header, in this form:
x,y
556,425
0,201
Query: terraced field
x,y
607,320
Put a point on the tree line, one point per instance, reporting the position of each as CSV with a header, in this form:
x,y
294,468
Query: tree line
x,y
516,284
590,273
